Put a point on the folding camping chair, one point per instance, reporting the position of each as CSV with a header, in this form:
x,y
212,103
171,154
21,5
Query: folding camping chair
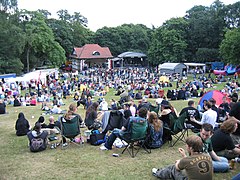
x,y
115,120
70,129
177,128
154,108
136,138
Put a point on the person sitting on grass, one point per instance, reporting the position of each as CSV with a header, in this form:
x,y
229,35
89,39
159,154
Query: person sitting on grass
x,y
2,107
22,126
16,102
124,130
220,164
222,142
56,109
197,165
37,138
41,120
52,124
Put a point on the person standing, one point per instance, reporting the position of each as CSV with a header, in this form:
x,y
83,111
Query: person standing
x,y
197,165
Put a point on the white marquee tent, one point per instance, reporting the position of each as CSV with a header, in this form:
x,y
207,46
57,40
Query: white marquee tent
x,y
171,68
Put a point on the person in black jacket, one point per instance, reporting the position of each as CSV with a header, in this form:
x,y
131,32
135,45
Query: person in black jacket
x,y
16,102
2,107
22,125
91,115
37,138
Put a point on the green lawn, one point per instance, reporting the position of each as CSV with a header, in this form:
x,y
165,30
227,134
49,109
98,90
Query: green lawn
x,y
87,162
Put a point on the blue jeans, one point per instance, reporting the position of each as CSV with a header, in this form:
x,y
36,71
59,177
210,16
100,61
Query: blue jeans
x,y
236,177
221,166
110,140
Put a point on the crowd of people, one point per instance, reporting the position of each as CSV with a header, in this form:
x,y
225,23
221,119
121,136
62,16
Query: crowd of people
x,y
217,135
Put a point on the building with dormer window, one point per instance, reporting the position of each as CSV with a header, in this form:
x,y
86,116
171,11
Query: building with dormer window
x,y
90,55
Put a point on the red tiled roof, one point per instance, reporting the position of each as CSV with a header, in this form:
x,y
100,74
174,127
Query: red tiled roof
x,y
86,52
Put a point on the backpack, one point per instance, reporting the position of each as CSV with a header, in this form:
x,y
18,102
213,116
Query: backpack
x,y
97,138
36,144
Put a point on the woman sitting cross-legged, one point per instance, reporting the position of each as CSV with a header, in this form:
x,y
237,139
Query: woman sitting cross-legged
x,y
155,131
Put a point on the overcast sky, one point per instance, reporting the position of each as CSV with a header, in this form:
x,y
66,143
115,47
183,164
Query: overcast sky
x,y
112,13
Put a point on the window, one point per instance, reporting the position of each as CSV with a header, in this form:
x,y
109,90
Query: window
x,y
95,53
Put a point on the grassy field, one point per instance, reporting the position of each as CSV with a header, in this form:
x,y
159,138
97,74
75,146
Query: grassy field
x,y
87,162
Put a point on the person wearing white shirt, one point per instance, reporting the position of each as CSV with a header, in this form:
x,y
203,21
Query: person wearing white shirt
x,y
103,105
209,116
133,108
56,109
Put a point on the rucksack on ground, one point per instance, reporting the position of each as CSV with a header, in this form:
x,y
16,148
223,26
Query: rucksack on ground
x,y
37,144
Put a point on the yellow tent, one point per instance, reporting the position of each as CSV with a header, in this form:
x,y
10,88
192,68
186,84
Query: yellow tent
x,y
163,79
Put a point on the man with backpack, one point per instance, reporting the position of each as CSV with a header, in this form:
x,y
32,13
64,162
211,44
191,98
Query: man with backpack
x,y
37,139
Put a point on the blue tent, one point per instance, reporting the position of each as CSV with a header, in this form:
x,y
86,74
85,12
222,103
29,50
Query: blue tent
x,y
8,76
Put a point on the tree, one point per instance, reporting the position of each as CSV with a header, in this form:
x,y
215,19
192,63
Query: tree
x,y
169,42
8,5
127,37
63,34
81,35
45,13
230,47
206,29
12,44
207,54
77,17
232,12
64,15
40,40
109,37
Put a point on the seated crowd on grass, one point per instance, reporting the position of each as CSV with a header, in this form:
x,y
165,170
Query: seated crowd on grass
x,y
139,85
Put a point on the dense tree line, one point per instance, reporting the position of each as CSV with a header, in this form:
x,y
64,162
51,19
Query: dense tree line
x,y
30,39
